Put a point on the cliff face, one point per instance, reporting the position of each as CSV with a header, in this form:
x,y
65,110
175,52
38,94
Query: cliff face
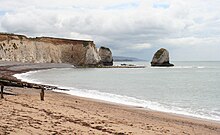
x,y
47,50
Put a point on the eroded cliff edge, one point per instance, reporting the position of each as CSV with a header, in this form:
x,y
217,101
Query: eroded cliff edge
x,y
47,50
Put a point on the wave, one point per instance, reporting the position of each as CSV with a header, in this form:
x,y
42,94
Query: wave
x,y
26,77
127,100
132,101
179,67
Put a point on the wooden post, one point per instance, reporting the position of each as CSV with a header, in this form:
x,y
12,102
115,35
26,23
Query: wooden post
x,y
2,88
42,94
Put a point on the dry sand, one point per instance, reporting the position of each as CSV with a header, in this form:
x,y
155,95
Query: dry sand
x,y
65,114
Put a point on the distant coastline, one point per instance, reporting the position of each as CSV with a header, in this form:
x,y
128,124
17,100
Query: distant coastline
x,y
124,58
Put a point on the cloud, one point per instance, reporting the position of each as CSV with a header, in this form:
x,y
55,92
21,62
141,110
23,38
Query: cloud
x,y
80,36
122,6
191,41
29,21
161,5
141,46
128,27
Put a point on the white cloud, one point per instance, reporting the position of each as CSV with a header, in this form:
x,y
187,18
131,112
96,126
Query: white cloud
x,y
123,25
191,41
141,46
80,36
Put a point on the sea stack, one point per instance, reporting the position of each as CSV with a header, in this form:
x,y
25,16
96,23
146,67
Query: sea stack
x,y
161,59
106,56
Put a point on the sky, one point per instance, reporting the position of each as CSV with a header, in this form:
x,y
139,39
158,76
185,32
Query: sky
x,y
188,29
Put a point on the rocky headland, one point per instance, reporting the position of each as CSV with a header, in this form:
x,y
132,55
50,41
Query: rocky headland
x,y
161,59
20,48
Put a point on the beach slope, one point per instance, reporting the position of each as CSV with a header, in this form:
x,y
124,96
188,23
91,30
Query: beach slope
x,y
24,113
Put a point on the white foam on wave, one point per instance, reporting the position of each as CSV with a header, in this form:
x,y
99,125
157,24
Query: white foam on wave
x,y
181,67
200,67
26,77
125,100
109,97
131,101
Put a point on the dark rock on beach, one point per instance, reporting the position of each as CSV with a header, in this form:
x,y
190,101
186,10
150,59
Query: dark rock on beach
x,y
161,58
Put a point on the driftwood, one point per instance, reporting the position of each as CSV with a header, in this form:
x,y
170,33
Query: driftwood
x,y
42,95
2,88
13,83
16,83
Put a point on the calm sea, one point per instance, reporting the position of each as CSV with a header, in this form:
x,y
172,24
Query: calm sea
x,y
189,88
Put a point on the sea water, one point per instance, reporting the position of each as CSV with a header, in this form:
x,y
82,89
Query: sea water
x,y
188,88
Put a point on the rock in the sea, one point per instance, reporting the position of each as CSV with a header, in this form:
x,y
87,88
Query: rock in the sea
x,y
161,58
106,56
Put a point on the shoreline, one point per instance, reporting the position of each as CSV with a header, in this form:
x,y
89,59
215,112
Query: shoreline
x,y
67,90
89,116
23,68
163,116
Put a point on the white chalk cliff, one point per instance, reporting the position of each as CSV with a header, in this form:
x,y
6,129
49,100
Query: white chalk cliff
x,y
47,50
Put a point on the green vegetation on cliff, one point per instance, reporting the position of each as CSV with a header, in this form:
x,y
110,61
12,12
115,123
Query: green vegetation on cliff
x,y
159,53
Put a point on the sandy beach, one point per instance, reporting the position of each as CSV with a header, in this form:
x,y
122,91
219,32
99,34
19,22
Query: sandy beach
x,y
24,113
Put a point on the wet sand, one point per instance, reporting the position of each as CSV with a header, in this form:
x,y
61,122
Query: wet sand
x,y
24,113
